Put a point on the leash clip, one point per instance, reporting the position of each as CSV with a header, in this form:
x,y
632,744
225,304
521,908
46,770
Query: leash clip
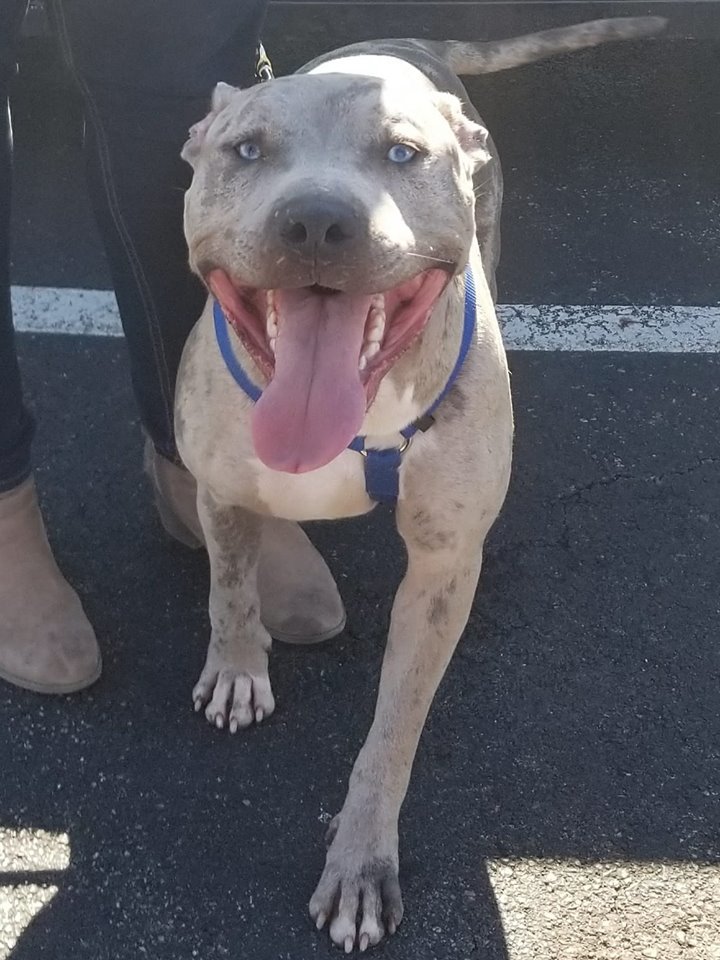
x,y
263,67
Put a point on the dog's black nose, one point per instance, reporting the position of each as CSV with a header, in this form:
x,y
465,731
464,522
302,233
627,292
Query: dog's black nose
x,y
317,223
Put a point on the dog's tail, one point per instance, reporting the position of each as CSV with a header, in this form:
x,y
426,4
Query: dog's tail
x,y
473,58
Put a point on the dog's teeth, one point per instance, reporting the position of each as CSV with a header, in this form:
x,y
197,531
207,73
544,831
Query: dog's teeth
x,y
273,343
369,351
271,319
375,330
376,327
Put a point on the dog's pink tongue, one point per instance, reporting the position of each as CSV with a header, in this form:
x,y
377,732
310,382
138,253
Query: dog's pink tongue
x,y
315,403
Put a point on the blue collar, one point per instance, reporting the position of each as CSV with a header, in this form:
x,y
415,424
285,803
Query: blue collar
x,y
381,466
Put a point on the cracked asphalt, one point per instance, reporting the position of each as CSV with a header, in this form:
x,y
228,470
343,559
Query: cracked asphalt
x,y
565,801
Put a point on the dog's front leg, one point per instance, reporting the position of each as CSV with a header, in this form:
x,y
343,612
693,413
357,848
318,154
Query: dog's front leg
x,y
234,686
430,611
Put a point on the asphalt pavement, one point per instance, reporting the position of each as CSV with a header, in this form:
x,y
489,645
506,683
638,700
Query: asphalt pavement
x,y
565,801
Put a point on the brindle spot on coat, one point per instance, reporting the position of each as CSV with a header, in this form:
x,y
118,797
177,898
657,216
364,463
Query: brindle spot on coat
x,y
428,535
236,534
434,539
233,571
438,612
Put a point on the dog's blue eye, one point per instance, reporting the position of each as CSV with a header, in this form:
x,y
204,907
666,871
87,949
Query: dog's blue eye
x,y
248,150
401,153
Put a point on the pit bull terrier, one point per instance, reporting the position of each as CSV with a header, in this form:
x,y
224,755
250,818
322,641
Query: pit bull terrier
x,y
345,221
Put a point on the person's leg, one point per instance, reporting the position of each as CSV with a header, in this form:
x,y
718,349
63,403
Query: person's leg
x,y
16,425
46,642
146,72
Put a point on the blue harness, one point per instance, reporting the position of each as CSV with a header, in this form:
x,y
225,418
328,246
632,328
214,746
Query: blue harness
x,y
381,466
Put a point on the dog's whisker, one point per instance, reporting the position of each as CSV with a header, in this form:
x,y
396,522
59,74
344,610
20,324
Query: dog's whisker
x,y
479,187
429,256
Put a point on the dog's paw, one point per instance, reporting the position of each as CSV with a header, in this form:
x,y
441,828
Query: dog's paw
x,y
234,696
359,897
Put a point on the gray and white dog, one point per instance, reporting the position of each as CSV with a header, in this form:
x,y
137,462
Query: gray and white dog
x,y
335,217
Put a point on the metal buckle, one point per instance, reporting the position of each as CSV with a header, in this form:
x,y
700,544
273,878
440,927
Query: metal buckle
x,y
401,449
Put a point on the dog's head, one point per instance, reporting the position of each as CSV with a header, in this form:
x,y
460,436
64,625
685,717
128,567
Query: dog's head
x,y
327,214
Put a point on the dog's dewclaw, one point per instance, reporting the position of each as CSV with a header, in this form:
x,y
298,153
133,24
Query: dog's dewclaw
x,y
470,58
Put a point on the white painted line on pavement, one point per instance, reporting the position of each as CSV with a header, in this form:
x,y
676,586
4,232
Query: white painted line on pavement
x,y
634,328
525,326
65,310
25,854
33,849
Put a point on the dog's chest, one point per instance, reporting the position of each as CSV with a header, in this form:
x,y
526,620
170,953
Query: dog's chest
x,y
334,491
339,489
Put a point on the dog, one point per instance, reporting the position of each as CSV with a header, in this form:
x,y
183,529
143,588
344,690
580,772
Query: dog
x,y
345,221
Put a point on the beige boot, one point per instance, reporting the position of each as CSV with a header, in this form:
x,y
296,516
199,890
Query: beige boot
x,y
46,641
298,597
299,601
175,493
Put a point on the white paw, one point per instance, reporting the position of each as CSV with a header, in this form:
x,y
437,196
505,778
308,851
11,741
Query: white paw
x,y
359,896
234,697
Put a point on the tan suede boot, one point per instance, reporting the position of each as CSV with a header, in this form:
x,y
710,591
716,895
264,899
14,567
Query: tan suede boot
x,y
299,600
175,494
46,641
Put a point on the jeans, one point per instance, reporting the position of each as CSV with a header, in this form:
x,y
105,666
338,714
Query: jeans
x,y
145,70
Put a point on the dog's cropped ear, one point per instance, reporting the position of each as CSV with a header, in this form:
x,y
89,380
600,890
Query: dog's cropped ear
x,y
471,136
221,97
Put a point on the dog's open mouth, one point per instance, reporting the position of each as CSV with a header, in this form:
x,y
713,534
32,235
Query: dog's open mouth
x,y
324,353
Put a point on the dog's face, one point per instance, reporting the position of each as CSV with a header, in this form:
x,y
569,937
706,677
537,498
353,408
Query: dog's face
x,y
327,214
